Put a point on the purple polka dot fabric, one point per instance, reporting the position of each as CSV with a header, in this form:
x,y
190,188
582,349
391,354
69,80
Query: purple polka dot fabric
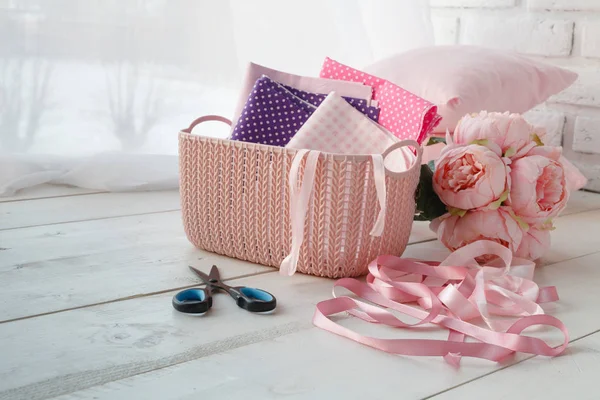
x,y
316,99
272,114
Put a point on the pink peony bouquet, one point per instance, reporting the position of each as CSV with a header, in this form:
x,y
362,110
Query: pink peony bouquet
x,y
496,180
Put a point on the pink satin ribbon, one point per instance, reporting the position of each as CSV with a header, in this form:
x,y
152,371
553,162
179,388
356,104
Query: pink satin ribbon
x,y
450,294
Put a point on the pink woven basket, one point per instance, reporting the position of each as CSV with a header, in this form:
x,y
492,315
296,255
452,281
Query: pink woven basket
x,y
236,199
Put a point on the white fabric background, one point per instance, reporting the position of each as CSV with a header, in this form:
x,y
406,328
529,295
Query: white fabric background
x,y
93,93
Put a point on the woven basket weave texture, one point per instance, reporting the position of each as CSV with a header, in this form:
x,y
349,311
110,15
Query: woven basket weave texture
x,y
235,202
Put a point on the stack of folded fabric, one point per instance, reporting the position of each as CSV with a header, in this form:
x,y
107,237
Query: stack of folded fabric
x,y
343,111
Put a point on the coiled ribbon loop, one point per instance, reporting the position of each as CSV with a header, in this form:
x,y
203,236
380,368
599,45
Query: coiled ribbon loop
x,y
450,294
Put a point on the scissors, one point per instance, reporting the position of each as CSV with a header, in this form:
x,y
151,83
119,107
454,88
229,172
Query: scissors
x,y
199,300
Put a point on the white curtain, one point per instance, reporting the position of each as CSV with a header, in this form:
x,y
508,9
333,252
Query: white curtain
x,y
93,92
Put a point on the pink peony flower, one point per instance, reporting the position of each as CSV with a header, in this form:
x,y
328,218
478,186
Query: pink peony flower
x,y
468,177
507,134
575,179
534,244
539,189
495,225
551,152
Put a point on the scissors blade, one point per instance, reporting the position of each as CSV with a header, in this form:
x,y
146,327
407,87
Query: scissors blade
x,y
214,275
205,278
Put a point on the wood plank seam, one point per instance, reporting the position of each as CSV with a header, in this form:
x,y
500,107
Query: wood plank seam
x,y
84,380
91,219
502,368
49,197
422,241
578,212
140,295
569,259
135,296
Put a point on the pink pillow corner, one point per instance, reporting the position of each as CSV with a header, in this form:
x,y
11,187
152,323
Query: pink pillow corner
x,y
463,79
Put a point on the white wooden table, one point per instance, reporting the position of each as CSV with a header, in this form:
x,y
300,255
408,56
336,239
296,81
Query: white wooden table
x,y
85,313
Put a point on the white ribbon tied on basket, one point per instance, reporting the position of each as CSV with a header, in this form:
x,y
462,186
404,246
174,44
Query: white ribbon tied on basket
x,y
300,199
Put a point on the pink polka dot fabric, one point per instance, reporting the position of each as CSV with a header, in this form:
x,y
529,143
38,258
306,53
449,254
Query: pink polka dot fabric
x,y
337,127
406,115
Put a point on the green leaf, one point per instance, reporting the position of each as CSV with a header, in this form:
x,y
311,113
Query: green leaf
x,y
537,139
457,211
431,165
481,142
547,225
435,140
496,204
510,152
524,225
429,205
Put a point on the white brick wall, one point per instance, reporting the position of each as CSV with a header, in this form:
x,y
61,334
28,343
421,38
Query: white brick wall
x,y
590,45
552,121
586,138
537,36
563,32
445,29
585,91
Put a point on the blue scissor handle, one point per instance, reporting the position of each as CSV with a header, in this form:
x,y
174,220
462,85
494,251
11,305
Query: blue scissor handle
x,y
252,299
193,301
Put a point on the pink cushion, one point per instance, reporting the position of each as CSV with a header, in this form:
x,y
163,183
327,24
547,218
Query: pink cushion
x,y
466,79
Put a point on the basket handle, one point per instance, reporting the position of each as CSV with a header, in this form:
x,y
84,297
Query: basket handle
x,y
206,118
398,145
379,172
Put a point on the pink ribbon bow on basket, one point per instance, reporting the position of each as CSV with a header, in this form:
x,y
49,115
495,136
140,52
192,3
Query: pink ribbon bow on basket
x,y
450,293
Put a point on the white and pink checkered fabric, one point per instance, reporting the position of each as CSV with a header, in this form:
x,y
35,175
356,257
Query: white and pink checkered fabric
x,y
337,127
405,114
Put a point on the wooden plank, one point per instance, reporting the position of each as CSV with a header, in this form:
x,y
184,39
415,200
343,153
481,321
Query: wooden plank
x,y
575,235
67,260
573,376
51,268
58,210
47,191
39,344
31,247
60,265
53,210
58,353
420,232
29,210
581,201
111,276
311,363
